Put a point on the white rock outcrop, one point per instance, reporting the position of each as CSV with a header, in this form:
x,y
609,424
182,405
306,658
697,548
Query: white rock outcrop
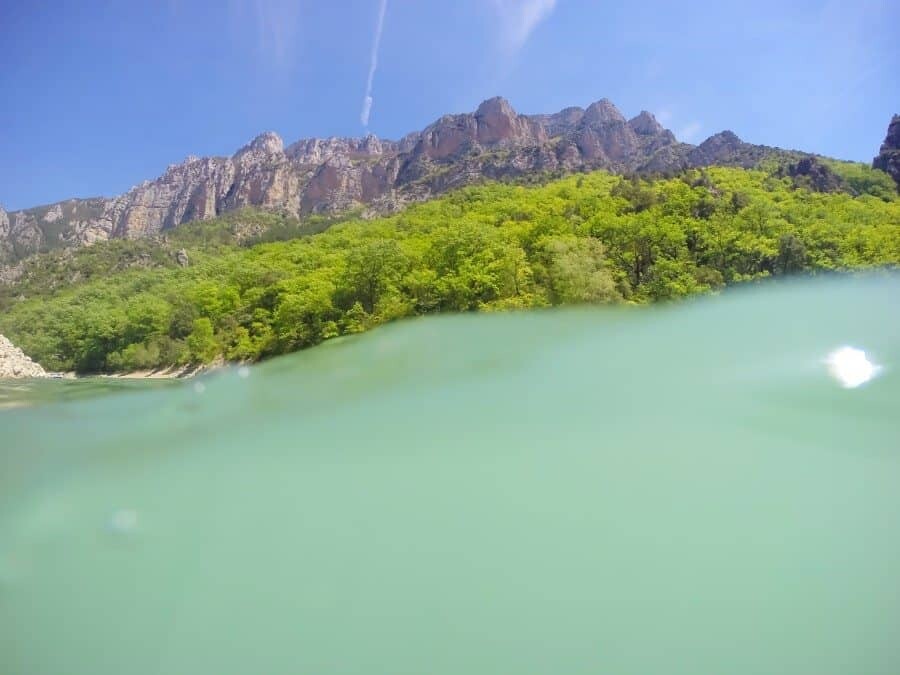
x,y
14,363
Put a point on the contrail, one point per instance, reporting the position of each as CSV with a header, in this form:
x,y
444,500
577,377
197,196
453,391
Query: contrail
x,y
373,64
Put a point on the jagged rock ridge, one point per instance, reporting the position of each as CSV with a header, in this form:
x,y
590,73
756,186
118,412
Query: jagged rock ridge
x,y
888,159
336,174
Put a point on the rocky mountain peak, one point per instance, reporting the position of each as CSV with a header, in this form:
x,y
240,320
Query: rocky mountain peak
x,y
723,141
571,114
603,135
892,140
561,123
602,112
888,159
332,175
268,142
724,137
496,106
497,122
494,123
714,148
646,124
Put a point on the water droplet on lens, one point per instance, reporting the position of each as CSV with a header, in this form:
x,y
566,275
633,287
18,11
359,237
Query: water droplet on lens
x,y
123,521
851,367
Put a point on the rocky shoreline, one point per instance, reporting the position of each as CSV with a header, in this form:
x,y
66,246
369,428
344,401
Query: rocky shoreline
x,y
15,364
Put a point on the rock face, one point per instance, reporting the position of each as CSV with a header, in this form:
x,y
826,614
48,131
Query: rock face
x,y
14,364
888,159
6,249
336,174
815,175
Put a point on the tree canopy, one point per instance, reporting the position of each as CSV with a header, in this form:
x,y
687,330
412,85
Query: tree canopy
x,y
591,238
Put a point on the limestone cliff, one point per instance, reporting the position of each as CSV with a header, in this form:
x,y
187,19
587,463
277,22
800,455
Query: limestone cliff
x,y
888,159
337,174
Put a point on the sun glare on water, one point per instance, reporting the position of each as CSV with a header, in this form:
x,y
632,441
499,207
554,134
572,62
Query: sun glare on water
x,y
851,367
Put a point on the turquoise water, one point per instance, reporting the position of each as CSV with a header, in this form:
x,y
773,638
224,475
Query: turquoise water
x,y
677,490
21,393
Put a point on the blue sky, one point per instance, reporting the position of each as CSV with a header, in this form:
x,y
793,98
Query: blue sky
x,y
102,94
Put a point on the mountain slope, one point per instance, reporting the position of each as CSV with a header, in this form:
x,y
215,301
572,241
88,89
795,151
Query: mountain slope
x,y
593,238
335,175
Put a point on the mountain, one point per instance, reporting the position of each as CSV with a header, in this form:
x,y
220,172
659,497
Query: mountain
x,y
203,291
333,175
888,159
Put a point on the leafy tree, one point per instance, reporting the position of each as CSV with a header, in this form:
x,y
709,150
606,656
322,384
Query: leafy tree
x,y
791,254
201,343
372,268
578,272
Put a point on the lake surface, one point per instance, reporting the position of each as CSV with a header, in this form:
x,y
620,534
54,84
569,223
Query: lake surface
x,y
689,489
22,393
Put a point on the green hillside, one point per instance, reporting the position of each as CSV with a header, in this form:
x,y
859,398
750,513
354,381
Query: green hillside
x,y
259,284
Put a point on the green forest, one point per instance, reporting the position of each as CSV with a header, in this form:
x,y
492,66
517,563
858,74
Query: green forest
x,y
259,284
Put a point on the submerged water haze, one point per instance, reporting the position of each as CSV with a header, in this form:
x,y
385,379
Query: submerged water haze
x,y
684,489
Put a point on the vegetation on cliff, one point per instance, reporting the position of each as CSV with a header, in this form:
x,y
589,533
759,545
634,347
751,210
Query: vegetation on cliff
x,y
590,238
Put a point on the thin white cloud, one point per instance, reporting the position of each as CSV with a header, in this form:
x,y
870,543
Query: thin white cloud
x,y
368,100
519,18
689,132
275,24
